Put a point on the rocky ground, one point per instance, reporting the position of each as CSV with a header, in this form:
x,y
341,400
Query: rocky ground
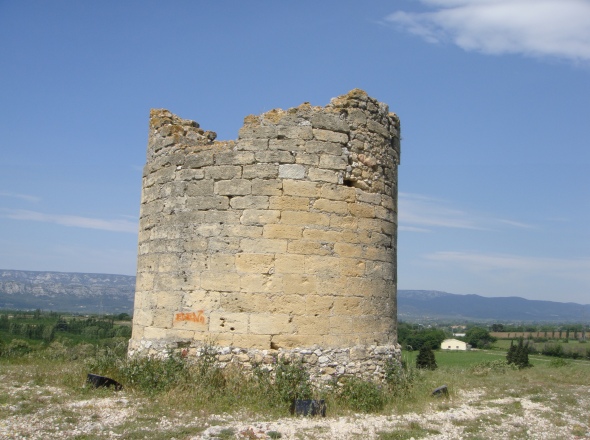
x,y
44,412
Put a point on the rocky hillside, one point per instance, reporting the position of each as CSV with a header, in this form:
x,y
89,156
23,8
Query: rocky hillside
x,y
72,292
417,305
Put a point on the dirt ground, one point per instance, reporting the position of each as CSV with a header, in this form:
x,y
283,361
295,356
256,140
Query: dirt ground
x,y
42,412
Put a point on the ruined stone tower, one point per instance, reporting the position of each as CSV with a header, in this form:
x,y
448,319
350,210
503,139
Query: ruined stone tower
x,y
280,243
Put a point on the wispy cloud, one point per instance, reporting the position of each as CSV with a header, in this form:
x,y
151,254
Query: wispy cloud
x,y
481,262
71,220
555,28
26,197
419,213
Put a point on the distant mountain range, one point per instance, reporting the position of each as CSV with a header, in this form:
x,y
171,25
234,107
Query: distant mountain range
x,y
66,292
420,305
106,293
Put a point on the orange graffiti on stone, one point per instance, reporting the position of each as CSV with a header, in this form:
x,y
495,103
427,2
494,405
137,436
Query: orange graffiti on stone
x,y
198,317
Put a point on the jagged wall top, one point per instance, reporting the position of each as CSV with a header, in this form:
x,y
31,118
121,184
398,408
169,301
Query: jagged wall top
x,y
352,126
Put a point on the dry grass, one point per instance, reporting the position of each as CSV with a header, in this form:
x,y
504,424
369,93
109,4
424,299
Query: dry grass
x,y
41,399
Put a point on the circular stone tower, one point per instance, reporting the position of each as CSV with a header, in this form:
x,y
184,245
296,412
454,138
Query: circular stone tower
x,y
281,243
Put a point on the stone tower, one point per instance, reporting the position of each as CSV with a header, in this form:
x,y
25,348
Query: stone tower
x,y
282,242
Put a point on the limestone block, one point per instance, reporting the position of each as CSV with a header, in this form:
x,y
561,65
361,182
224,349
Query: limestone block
x,y
362,210
307,159
282,231
330,136
352,267
338,192
322,235
263,245
329,121
151,333
246,302
254,263
200,299
308,247
304,218
337,207
267,187
342,325
261,283
257,132
300,188
348,250
277,157
199,160
223,244
143,317
321,147
312,325
347,306
317,305
286,303
289,263
291,341
320,175
332,162
252,144
300,284
235,187
144,281
289,202
176,281
346,222
292,171
259,216
168,300
271,324
252,341
285,144
242,231
324,265
234,158
206,230
221,263
208,202
261,171
162,318
226,281
249,202
295,132
200,188
223,322
223,172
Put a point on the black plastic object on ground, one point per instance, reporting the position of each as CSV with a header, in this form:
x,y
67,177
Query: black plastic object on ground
x,y
100,381
308,408
441,391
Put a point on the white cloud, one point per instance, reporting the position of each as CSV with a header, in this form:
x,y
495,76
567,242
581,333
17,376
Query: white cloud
x,y
418,213
481,262
26,197
556,28
72,220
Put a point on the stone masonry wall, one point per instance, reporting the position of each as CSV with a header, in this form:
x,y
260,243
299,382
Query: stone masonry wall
x,y
282,242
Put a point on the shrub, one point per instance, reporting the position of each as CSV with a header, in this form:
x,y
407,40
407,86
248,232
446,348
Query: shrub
x,y
426,359
399,376
292,381
362,395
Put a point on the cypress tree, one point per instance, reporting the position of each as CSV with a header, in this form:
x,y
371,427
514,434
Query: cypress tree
x,y
511,353
426,359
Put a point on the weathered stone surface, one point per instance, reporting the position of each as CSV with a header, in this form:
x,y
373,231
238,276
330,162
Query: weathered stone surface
x,y
279,244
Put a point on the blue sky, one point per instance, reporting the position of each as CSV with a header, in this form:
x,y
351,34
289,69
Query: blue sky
x,y
493,97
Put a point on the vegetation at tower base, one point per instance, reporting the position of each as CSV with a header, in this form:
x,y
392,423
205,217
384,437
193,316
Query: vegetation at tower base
x,y
282,242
